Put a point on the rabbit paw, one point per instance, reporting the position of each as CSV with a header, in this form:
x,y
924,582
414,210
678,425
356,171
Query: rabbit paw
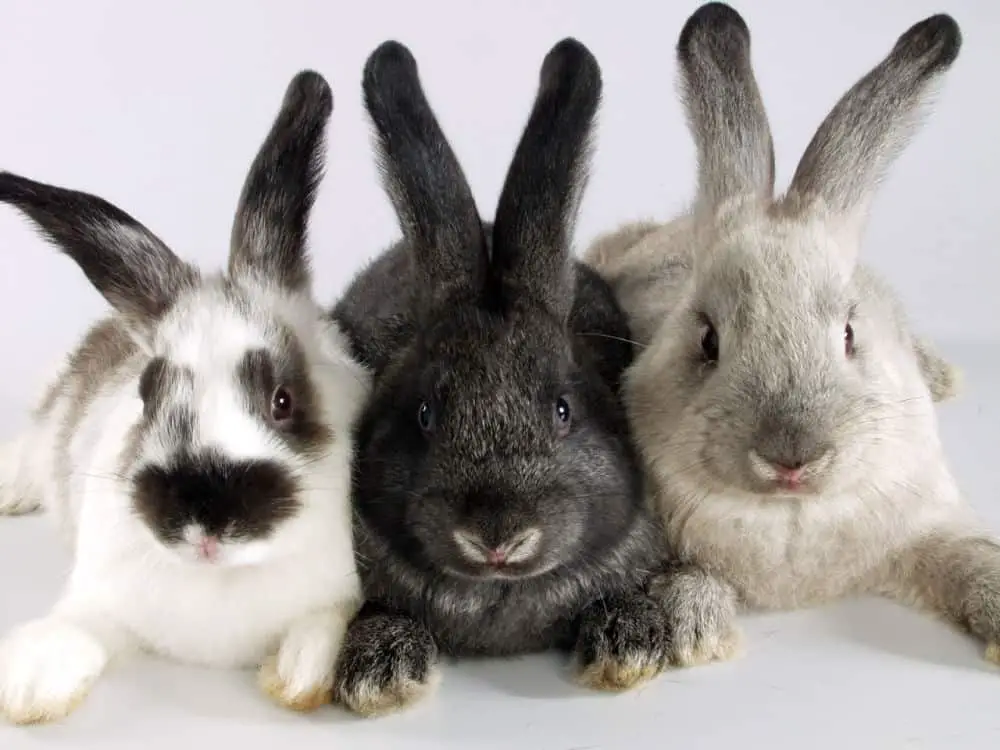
x,y
300,675
388,663
701,617
621,643
47,668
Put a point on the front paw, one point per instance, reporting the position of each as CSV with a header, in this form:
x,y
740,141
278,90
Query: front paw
x,y
388,663
700,612
300,675
47,668
621,644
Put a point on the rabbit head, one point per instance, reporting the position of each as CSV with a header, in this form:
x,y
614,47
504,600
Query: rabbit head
x,y
492,444
243,392
784,366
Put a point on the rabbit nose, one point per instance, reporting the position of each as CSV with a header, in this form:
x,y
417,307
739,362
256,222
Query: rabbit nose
x,y
519,548
786,470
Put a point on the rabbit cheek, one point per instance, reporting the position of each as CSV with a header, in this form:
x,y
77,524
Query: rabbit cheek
x,y
214,510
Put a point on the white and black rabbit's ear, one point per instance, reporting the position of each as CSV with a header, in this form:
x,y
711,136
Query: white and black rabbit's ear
x,y
533,227
130,266
269,231
724,109
870,125
422,176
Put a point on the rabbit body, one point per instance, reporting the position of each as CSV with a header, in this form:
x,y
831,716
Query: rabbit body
x,y
783,409
499,505
196,448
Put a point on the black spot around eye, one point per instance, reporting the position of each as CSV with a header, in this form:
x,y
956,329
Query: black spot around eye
x,y
709,342
849,340
282,404
425,416
563,415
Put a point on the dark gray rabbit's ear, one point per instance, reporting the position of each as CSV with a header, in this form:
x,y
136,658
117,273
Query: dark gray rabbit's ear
x,y
872,122
533,227
135,272
421,174
269,231
724,108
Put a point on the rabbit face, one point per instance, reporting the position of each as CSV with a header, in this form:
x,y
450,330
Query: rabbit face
x,y
501,448
231,417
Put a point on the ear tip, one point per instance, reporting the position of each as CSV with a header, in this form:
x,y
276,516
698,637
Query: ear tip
x,y
12,186
310,89
713,22
390,59
936,41
571,58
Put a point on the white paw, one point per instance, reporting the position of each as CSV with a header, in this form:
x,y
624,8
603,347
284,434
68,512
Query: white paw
x,y
46,669
300,675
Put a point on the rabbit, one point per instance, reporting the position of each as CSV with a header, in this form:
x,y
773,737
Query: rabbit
x,y
782,408
196,448
498,505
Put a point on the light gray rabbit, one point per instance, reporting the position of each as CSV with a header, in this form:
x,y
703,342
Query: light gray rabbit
x,y
783,410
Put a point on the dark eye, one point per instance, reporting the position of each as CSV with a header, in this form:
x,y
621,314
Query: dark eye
x,y
849,340
563,415
709,342
282,404
425,416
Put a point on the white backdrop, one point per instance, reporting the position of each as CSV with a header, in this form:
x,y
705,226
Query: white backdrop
x,y
160,106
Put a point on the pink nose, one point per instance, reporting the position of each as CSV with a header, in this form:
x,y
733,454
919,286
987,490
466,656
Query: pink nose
x,y
787,475
496,557
208,548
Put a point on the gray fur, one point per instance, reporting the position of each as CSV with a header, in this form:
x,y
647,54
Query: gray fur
x,y
810,366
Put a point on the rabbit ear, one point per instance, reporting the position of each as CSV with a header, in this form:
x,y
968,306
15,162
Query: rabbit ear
x,y
269,231
724,108
135,272
541,195
421,174
871,123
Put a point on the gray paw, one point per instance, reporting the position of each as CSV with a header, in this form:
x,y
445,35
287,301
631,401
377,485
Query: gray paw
x,y
701,616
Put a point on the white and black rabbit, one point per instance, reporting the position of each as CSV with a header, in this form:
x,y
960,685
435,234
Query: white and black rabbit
x,y
498,505
196,447
782,407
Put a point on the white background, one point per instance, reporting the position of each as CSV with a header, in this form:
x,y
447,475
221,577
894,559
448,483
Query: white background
x,y
160,106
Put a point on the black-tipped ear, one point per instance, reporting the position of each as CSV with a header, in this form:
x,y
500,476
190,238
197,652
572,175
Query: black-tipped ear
x,y
872,122
135,272
540,197
724,108
422,176
269,231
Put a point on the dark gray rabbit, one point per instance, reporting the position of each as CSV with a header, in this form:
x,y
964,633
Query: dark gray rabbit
x,y
498,506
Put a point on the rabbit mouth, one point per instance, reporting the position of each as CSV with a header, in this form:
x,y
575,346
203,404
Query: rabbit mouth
x,y
519,556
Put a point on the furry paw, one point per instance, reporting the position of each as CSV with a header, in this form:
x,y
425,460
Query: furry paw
x,y
47,668
701,617
300,675
388,663
993,652
621,643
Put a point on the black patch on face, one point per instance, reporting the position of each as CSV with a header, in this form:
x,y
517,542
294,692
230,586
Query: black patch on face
x,y
261,373
239,499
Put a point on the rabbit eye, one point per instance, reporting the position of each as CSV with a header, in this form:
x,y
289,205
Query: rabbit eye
x,y
709,342
282,404
425,416
563,415
849,340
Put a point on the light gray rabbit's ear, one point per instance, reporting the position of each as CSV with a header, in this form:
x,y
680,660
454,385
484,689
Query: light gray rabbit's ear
x,y
135,272
870,125
724,108
269,230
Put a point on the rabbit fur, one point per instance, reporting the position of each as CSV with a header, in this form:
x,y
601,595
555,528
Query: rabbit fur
x,y
499,505
196,448
783,409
